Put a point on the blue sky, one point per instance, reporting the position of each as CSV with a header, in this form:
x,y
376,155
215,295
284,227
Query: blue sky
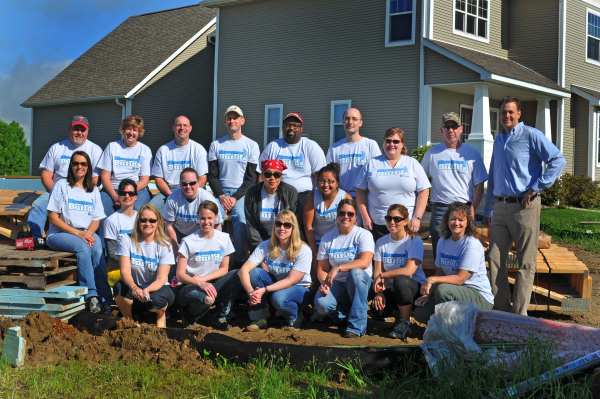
x,y
39,38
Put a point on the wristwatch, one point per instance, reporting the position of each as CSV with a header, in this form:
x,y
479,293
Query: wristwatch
x,y
417,217
339,269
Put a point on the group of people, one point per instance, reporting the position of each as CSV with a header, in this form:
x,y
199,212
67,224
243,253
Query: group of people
x,y
338,231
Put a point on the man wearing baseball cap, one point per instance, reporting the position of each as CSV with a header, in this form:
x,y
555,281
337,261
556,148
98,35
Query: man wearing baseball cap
x,y
232,169
55,166
303,157
457,173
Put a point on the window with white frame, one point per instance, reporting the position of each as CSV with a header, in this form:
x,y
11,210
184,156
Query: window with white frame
x,y
593,36
471,18
466,117
598,142
494,122
338,108
273,115
400,22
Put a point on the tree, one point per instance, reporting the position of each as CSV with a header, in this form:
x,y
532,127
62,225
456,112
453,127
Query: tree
x,y
14,153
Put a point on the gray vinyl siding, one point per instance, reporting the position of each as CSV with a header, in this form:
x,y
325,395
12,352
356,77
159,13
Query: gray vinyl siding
x,y
534,35
528,113
568,137
184,87
50,125
441,69
581,121
305,54
443,27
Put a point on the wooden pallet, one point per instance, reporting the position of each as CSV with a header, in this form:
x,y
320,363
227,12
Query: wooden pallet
x,y
14,208
61,302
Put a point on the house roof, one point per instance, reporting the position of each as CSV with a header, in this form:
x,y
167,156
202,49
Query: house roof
x,y
591,92
126,56
499,66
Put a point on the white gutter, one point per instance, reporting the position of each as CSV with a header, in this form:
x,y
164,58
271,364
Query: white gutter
x,y
123,108
71,101
215,82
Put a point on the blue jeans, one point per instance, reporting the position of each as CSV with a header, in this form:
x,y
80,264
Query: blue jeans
x,y
38,215
240,234
159,199
191,298
91,266
143,197
289,301
347,301
437,212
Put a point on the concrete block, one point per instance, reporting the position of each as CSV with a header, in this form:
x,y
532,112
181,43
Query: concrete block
x,y
14,347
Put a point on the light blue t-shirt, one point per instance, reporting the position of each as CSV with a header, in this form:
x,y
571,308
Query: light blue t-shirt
x,y
126,162
325,219
280,267
184,213
393,255
171,159
341,250
76,207
118,224
233,157
58,157
466,254
145,259
302,159
203,255
351,157
454,173
387,185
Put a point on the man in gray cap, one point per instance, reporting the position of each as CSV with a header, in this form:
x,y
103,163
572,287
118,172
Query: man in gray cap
x,y
232,169
55,166
457,173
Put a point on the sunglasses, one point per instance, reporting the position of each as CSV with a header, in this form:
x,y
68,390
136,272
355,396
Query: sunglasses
x,y
448,127
396,219
188,183
390,141
144,220
341,214
268,174
323,181
84,164
126,193
287,225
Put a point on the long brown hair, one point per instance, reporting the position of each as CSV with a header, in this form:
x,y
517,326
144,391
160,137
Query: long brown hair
x,y
463,209
295,242
159,235
88,183
401,209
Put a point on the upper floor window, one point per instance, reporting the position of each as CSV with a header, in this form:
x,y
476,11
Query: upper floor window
x,y
471,18
336,127
400,22
593,36
273,115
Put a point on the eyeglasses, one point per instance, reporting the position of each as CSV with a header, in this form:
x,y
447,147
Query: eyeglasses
x,y
323,181
448,127
390,141
268,174
292,125
188,183
279,224
126,193
348,119
84,164
341,214
396,219
144,220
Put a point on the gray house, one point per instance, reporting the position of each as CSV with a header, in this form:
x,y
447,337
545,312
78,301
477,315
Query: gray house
x,y
158,65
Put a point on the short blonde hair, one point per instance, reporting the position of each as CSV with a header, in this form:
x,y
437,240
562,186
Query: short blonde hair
x,y
393,131
133,120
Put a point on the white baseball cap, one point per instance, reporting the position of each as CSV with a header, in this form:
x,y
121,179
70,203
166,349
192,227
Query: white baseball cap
x,y
236,109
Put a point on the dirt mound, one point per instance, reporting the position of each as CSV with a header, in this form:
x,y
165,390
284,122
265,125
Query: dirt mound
x,y
50,341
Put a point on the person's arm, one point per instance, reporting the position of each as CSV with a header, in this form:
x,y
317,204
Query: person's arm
x,y
490,200
309,215
250,179
111,248
245,276
292,278
54,218
162,274
361,199
107,185
426,294
162,186
202,182
143,183
477,196
220,272
363,262
455,279
213,179
379,284
93,226
422,198
47,179
170,229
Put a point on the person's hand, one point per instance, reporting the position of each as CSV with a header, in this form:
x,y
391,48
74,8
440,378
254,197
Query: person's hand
x,y
379,284
367,223
487,221
88,237
379,302
422,300
116,200
208,288
227,202
415,224
426,287
473,212
527,197
256,296
331,276
136,293
324,289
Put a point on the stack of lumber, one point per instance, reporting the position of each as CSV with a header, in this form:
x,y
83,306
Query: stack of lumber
x,y
14,208
61,302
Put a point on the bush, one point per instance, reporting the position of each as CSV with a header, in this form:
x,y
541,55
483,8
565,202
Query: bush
x,y
418,153
554,195
573,190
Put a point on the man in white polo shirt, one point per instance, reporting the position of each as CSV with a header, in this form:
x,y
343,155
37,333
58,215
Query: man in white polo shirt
x,y
55,166
232,169
457,173
174,157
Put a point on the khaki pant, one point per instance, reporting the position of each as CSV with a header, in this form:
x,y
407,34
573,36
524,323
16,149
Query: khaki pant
x,y
514,223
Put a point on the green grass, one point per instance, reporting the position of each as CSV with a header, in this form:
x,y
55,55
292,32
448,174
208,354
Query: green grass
x,y
562,221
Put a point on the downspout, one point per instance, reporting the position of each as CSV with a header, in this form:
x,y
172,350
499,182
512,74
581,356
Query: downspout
x,y
122,106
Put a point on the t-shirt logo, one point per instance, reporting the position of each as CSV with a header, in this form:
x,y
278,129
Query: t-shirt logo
x,y
289,160
347,253
233,155
133,163
326,215
394,259
123,232
279,268
402,172
64,160
178,165
207,256
183,218
356,159
267,213
460,164
449,260
144,262
80,206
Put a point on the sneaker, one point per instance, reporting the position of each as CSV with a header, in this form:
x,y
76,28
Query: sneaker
x,y
401,329
220,324
94,304
316,317
257,325
106,310
185,323
350,334
298,322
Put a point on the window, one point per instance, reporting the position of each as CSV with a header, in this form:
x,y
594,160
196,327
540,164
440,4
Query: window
x,y
494,112
598,142
471,18
593,36
273,115
400,22
466,117
338,108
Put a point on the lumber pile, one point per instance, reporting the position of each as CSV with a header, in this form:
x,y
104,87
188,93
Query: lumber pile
x,y
14,208
60,302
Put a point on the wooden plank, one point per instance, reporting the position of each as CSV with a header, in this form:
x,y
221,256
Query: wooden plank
x,y
49,307
33,282
539,290
62,292
23,312
26,263
60,284
60,270
31,300
586,223
10,230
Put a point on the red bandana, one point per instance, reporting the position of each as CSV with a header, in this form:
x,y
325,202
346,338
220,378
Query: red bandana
x,y
272,164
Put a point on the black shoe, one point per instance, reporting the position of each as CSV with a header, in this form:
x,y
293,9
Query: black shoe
x,y
94,304
106,310
219,324
185,323
350,334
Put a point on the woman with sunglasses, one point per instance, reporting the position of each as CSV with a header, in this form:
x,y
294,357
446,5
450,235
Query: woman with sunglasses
x,y
266,199
287,282
203,268
117,225
388,179
146,258
74,213
397,270
460,273
344,271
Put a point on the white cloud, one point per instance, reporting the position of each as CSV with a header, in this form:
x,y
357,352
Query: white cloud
x,y
20,84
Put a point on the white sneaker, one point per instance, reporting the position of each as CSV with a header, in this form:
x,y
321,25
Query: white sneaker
x,y
298,322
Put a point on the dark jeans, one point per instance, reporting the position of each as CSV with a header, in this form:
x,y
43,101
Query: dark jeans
x,y
406,290
158,299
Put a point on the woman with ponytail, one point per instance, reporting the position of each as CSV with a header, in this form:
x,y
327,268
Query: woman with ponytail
x,y
397,271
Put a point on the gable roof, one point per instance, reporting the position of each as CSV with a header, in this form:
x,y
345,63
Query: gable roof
x,y
492,66
126,56
593,96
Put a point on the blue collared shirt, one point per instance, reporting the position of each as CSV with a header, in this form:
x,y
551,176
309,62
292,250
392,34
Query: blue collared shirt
x,y
517,165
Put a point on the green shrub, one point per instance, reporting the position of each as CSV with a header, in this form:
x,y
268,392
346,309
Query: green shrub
x,y
573,190
418,153
554,195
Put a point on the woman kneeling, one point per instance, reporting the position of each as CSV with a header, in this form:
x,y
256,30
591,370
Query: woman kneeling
x,y
203,266
460,272
287,280
146,258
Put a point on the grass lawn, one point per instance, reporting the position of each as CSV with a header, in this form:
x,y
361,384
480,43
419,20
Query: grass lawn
x,y
564,226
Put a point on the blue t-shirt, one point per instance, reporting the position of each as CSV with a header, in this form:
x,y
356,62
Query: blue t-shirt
x,y
393,255
233,157
145,259
351,157
340,250
126,162
280,266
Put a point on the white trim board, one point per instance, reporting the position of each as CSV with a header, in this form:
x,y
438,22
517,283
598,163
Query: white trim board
x,y
592,100
216,75
72,100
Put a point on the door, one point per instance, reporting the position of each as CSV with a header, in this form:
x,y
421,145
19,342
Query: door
x,y
466,117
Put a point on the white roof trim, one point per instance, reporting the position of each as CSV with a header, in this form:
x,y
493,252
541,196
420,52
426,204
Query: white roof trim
x,y
593,100
592,2
527,85
171,58
72,100
222,3
456,58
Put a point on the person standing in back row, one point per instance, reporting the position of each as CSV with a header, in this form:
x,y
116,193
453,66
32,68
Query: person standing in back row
x,y
457,174
517,178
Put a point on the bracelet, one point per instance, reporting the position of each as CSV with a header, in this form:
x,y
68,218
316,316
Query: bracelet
x,y
266,290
